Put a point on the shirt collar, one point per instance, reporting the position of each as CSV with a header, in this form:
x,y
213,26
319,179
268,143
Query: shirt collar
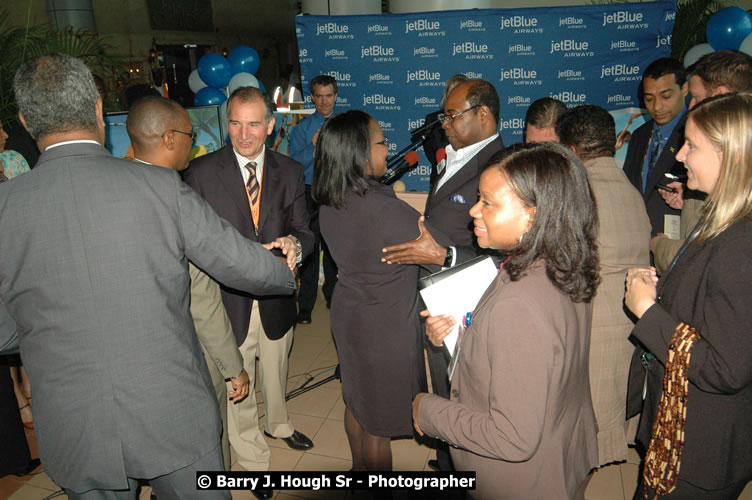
x,y
668,128
65,143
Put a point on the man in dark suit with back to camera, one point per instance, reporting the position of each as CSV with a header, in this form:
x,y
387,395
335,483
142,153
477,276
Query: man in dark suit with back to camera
x,y
261,193
653,146
470,120
96,277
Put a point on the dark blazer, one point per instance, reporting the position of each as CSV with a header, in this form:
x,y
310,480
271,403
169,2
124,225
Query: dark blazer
x,y
96,277
282,209
452,217
638,149
709,289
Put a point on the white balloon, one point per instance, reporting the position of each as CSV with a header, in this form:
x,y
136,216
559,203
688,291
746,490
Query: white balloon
x,y
746,45
242,80
195,82
697,52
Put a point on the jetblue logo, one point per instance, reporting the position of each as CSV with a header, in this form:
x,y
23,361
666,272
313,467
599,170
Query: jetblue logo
x,y
424,27
385,125
663,41
624,45
334,30
518,100
570,74
521,49
381,101
520,24
512,123
379,29
425,52
569,97
472,50
619,99
621,72
303,53
335,54
343,79
572,22
380,78
572,48
413,124
423,75
379,53
473,75
472,25
625,19
670,16
426,101
520,76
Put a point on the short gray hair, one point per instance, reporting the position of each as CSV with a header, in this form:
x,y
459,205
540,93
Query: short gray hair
x,y
56,94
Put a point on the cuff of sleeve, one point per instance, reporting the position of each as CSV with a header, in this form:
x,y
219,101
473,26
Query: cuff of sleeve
x,y
655,329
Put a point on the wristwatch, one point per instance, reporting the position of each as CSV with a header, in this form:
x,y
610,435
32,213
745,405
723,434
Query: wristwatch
x,y
298,250
449,257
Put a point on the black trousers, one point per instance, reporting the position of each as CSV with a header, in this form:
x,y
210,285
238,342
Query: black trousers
x,y
14,453
309,270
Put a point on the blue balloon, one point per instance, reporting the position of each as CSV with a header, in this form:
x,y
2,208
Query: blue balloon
x,y
214,70
728,28
243,59
208,96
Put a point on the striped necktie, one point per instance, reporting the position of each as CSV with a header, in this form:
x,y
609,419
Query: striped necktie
x,y
252,185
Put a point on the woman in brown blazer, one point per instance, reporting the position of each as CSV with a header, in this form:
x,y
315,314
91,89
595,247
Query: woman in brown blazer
x,y
520,413
695,326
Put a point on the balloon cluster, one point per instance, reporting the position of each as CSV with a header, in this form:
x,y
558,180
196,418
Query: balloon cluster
x,y
217,76
729,28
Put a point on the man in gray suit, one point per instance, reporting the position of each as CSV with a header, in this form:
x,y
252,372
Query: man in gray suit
x,y
96,277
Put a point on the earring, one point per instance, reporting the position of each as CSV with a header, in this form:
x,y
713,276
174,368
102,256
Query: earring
x,y
522,236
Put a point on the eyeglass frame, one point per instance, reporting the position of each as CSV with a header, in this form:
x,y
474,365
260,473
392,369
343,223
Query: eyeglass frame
x,y
384,142
193,134
442,117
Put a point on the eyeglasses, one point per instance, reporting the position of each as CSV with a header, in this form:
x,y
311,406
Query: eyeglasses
x,y
383,143
193,134
450,118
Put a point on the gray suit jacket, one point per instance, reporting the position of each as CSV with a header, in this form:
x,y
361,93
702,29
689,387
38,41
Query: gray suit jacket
x,y
96,277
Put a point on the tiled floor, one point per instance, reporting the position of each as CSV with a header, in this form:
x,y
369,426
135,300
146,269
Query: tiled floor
x,y
319,414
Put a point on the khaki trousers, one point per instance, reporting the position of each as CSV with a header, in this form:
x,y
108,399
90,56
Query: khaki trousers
x,y
246,439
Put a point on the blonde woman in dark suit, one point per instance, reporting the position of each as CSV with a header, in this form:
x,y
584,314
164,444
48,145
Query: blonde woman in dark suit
x,y
694,324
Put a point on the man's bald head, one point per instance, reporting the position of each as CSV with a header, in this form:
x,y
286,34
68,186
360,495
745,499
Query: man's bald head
x,y
160,131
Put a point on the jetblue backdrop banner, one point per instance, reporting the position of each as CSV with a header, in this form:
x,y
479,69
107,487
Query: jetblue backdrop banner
x,y
393,66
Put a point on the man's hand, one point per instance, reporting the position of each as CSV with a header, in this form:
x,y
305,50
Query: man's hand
x,y
240,387
675,199
423,250
416,412
289,248
437,327
655,239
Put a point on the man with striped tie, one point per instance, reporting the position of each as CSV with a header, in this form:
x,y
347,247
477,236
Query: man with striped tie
x,y
262,194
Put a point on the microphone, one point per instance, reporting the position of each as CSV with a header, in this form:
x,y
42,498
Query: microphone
x,y
440,161
408,162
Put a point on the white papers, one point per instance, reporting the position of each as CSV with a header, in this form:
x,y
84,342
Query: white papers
x,y
456,292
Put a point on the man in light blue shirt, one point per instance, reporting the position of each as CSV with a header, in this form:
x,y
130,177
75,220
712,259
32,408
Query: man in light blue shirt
x,y
302,143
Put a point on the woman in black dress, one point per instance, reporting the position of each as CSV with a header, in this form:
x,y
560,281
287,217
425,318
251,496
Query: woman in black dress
x,y
375,306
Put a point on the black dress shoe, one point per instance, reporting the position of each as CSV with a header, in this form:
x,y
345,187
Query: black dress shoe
x,y
303,318
297,441
434,464
263,494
